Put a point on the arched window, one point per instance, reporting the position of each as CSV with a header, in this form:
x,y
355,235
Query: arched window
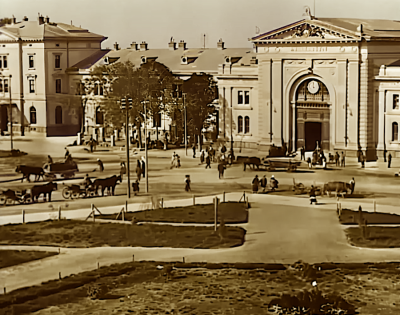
x,y
246,124
240,124
99,116
58,115
101,89
96,89
32,115
395,131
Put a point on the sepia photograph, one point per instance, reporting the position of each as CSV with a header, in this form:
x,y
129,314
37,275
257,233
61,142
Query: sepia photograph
x,y
215,157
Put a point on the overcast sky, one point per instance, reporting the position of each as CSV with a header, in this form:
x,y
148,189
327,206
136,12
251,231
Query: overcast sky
x,y
155,21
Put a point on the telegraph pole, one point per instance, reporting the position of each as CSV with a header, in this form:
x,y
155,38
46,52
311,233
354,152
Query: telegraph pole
x,y
184,106
11,118
146,167
128,169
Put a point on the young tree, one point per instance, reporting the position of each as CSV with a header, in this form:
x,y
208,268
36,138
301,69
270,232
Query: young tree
x,y
200,91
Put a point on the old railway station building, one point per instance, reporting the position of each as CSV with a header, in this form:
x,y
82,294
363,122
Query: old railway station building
x,y
329,82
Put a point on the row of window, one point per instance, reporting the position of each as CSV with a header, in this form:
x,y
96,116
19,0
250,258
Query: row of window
x,y
4,86
3,62
31,62
32,86
246,124
243,97
58,113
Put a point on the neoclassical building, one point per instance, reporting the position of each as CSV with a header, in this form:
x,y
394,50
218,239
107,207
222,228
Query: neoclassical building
x,y
327,81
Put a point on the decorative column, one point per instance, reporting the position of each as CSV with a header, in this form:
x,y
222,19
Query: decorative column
x,y
264,101
352,110
381,121
339,111
277,119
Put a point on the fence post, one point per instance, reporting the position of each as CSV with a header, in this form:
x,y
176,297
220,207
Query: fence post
x,y
59,213
5,291
23,216
183,260
224,196
59,275
93,213
215,212
374,205
194,200
162,203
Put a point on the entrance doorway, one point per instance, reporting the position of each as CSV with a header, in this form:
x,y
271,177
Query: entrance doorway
x,y
3,118
312,135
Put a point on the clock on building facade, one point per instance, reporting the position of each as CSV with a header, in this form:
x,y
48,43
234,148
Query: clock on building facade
x,y
313,87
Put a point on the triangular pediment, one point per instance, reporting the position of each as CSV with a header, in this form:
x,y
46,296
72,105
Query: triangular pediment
x,y
7,36
307,30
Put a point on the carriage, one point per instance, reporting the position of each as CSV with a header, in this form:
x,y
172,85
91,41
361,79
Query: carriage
x,y
64,169
78,191
285,163
12,196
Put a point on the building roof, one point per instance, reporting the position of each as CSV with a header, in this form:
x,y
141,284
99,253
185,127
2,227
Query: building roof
x,y
333,29
89,61
33,30
197,59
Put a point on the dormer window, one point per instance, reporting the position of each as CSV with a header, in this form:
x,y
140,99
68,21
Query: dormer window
x,y
228,60
184,60
143,59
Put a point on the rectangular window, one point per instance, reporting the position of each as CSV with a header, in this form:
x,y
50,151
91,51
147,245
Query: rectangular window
x,y
31,62
1,86
57,61
1,62
247,97
5,85
396,101
31,86
58,85
240,97
5,63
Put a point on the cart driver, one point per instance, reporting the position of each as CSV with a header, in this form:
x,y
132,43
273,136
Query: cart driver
x,y
87,182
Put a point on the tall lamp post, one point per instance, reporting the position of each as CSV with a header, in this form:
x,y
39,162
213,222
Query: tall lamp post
x,y
146,167
184,107
128,169
232,154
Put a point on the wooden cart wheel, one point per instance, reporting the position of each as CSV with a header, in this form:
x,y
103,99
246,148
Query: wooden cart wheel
x,y
3,200
66,193
82,194
92,193
75,195
28,200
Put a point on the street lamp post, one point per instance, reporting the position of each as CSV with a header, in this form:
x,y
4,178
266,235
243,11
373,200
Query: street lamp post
x,y
11,118
232,154
184,106
128,169
146,167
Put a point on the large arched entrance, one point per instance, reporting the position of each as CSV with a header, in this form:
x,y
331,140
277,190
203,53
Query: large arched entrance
x,y
312,115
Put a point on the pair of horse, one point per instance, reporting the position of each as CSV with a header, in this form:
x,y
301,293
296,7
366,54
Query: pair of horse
x,y
107,183
27,171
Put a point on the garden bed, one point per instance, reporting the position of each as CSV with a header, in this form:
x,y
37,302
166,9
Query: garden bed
x,y
231,212
69,233
140,288
15,257
375,237
350,217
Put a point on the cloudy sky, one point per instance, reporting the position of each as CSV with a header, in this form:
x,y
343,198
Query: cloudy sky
x,y
156,21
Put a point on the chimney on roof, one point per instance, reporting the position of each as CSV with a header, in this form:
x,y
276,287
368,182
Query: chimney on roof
x,y
116,46
25,18
220,44
134,46
143,46
13,20
182,45
47,19
172,44
41,20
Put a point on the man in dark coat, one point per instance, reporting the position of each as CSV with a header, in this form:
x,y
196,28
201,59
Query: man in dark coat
x,y
143,164
254,184
221,169
100,164
208,161
313,197
264,183
337,157
343,160
135,187
303,153
389,160
352,185
194,150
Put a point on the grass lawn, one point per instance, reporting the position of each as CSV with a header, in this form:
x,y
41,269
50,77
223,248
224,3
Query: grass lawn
x,y
376,237
139,288
350,217
14,257
69,233
231,212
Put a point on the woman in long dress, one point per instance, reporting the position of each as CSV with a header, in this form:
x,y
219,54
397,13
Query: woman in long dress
x,y
255,184
138,170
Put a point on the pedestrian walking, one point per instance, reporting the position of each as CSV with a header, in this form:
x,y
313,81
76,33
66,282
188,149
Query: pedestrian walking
x,y
100,164
202,156
254,184
122,170
138,170
221,169
309,162
143,165
194,150
66,153
263,183
178,161
362,158
303,153
135,187
274,183
91,144
352,185
313,197
187,183
337,158
208,161
343,160
389,160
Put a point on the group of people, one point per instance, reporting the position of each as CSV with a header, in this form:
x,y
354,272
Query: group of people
x,y
256,183
175,161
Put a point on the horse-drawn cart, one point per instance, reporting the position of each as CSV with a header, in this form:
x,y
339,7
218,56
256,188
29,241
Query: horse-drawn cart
x,y
17,195
285,163
64,169
78,191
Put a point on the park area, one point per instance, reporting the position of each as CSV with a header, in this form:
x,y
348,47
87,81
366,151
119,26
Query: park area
x,y
200,288
230,212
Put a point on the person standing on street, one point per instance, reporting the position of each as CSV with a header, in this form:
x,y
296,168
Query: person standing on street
x,y
362,158
122,170
91,144
343,160
303,153
254,184
135,187
138,170
100,164
143,165
221,169
389,160
187,183
208,161
313,197
337,158
352,185
194,150
263,183
202,156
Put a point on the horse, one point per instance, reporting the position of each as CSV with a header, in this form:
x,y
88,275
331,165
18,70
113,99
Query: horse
x,y
254,161
27,171
46,189
108,183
